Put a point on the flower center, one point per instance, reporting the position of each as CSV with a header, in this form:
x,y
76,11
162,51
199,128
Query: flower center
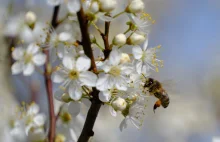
x,y
73,74
66,117
115,71
28,58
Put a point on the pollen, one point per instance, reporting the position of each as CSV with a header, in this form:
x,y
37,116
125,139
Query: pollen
x,y
66,117
145,16
73,74
115,71
27,58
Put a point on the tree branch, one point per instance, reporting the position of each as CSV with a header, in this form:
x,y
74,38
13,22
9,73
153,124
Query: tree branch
x,y
92,114
105,39
48,82
85,38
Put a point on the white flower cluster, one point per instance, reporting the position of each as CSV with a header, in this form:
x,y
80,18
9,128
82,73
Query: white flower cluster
x,y
120,76
28,124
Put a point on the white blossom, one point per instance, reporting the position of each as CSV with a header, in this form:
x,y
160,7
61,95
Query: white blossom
x,y
74,74
141,23
115,73
27,59
136,115
57,44
145,58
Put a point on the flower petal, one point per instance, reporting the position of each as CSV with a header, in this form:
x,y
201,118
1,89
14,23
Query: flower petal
x,y
28,69
74,108
59,76
75,92
83,63
102,82
32,48
27,34
54,2
145,44
105,96
33,109
139,65
68,62
120,84
64,36
88,78
18,53
58,94
39,120
60,51
39,59
17,67
73,6
112,111
123,124
115,57
137,52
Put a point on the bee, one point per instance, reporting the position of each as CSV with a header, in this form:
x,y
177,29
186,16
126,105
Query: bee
x,y
155,88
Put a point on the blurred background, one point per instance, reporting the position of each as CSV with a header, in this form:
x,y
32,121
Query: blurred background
x,y
189,33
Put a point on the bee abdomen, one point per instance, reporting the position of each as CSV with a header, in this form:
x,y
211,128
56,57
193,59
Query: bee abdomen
x,y
165,100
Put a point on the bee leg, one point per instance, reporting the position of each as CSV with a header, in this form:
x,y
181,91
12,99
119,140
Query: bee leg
x,y
156,105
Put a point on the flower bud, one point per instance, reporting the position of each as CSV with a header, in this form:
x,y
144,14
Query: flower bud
x,y
124,58
135,6
107,5
135,39
30,18
94,7
60,138
119,104
119,40
65,97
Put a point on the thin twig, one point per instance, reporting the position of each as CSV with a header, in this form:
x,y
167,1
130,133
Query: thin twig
x,y
105,39
48,82
85,38
92,114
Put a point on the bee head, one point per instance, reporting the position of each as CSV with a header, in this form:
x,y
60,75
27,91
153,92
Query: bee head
x,y
149,82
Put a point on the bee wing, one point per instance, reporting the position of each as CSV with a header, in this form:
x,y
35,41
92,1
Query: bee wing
x,y
171,85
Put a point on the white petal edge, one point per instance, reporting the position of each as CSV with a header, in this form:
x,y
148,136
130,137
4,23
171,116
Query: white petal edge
x,y
28,69
18,53
32,48
115,57
39,59
58,76
17,67
145,44
83,63
75,92
74,108
73,6
68,62
105,96
137,52
102,82
88,78
64,36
